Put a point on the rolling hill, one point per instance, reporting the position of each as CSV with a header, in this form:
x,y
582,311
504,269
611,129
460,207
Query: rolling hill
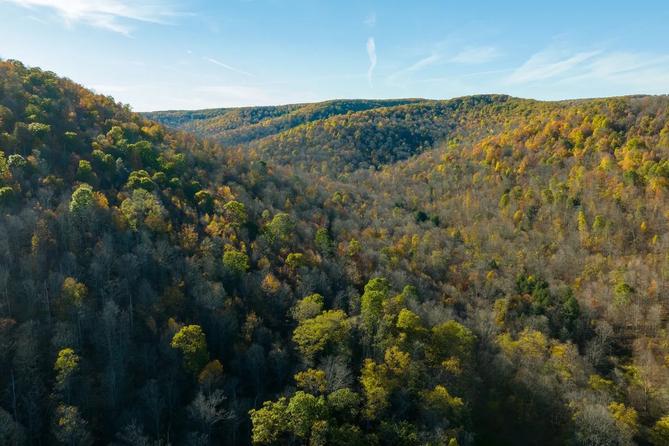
x,y
484,270
242,125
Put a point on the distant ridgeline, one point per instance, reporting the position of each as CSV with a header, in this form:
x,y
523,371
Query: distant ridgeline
x,y
336,137
479,271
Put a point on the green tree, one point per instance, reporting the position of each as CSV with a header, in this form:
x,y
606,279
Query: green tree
x,y
4,167
371,302
66,365
570,311
626,418
312,381
16,162
85,172
73,300
235,213
328,329
308,307
39,129
6,195
660,432
295,260
623,294
140,179
82,200
303,410
144,209
74,292
235,262
344,403
204,200
375,383
269,422
440,400
143,150
280,228
451,339
323,241
409,322
192,344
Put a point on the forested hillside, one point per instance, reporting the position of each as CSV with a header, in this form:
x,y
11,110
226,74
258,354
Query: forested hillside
x,y
242,125
488,271
339,137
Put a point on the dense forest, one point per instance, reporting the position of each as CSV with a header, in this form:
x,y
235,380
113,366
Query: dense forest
x,y
480,271
335,138
242,125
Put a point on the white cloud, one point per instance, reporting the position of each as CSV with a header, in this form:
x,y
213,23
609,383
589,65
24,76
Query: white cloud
x,y
549,64
113,15
476,55
371,52
227,67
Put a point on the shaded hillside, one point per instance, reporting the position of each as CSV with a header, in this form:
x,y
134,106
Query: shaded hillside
x,y
115,236
220,120
155,288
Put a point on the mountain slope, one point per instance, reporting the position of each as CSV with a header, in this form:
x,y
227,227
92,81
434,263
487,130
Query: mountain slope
x,y
497,278
345,143
243,125
157,288
115,236
562,269
556,215
341,143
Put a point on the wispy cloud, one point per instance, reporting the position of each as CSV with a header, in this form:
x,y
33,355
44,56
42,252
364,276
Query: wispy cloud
x,y
37,19
416,66
371,20
424,62
476,55
442,55
113,15
558,73
228,67
640,69
549,64
371,52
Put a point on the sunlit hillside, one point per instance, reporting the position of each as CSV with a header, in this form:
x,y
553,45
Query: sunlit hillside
x,y
477,271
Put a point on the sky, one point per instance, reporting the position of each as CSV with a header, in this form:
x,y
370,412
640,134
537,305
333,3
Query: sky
x,y
177,54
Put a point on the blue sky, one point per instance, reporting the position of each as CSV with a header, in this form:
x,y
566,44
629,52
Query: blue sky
x,y
174,54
